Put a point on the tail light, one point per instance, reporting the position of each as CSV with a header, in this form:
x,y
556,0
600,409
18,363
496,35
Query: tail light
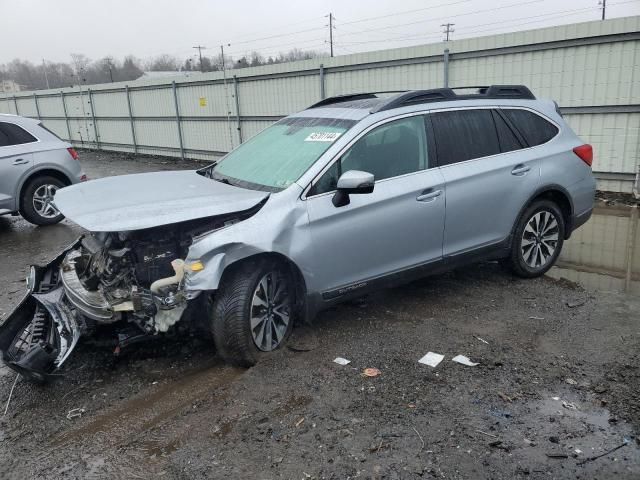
x,y
585,152
73,153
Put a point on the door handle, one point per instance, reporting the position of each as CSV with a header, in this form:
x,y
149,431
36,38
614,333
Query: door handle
x,y
429,195
520,170
20,161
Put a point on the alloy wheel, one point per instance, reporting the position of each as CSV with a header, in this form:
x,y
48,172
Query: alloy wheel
x,y
270,311
43,201
540,239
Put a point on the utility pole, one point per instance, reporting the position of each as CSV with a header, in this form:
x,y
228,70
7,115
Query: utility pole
x,y
331,32
200,48
226,93
108,62
44,68
604,8
447,30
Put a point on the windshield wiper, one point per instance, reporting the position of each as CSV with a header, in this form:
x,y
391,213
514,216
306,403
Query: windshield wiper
x,y
207,171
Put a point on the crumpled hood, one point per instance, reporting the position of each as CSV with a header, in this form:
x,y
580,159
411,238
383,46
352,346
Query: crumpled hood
x,y
145,200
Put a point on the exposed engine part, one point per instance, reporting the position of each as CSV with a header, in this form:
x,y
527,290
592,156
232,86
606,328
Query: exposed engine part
x,y
165,319
178,268
91,302
115,277
152,260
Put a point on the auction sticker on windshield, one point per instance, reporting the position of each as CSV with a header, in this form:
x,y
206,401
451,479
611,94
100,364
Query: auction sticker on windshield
x,y
322,137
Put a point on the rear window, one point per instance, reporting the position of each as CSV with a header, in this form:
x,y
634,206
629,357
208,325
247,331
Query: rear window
x,y
534,129
11,134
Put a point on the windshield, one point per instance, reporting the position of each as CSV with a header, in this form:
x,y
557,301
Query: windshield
x,y
280,154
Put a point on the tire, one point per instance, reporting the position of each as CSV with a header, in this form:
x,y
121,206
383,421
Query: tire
x,y
35,203
237,307
535,251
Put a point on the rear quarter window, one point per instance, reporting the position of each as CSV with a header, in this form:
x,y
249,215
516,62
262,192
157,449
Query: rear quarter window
x,y
11,134
533,128
41,125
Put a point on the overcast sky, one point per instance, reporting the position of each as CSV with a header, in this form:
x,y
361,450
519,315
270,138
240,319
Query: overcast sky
x,y
52,29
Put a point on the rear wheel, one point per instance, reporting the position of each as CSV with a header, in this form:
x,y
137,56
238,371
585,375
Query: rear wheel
x,y
37,205
538,239
252,312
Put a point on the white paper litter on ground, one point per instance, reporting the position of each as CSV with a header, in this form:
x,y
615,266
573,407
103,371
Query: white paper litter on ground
x,y
432,359
341,361
463,360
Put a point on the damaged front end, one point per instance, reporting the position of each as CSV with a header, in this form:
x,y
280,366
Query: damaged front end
x,y
41,332
133,282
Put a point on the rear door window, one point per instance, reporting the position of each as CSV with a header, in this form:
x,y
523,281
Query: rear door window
x,y
11,134
535,129
464,135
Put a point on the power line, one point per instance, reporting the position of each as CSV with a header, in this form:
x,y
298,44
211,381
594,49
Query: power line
x,y
288,44
278,27
455,16
450,4
280,35
473,29
550,15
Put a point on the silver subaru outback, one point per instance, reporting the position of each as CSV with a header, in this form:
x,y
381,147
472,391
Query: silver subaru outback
x,y
355,193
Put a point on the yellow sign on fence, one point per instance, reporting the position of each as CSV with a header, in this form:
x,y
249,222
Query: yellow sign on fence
x,y
203,101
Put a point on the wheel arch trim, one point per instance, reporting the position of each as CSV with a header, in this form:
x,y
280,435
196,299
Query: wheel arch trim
x,y
553,189
220,263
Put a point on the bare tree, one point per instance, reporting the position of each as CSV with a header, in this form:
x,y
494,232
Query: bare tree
x,y
81,69
162,63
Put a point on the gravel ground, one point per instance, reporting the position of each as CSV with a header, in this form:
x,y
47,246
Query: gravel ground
x,y
557,375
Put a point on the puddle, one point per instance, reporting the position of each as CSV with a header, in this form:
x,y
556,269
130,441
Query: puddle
x,y
589,428
604,254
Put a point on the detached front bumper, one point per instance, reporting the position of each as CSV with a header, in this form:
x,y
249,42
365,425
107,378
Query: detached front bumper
x,y
42,331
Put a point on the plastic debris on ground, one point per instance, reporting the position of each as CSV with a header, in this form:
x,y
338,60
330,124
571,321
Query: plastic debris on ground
x,y
341,361
464,360
75,412
432,359
569,405
371,372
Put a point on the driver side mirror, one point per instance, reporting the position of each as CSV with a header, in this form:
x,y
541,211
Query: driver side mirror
x,y
352,182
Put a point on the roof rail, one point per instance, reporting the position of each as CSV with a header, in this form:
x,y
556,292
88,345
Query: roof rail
x,y
415,97
342,98
349,97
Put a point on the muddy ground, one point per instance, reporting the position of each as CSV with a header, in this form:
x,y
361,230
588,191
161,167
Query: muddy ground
x,y
558,375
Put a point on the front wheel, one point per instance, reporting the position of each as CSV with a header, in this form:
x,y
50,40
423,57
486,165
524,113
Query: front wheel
x,y
537,240
252,312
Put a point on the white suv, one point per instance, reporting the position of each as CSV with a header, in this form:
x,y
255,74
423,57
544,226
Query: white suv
x,y
34,164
